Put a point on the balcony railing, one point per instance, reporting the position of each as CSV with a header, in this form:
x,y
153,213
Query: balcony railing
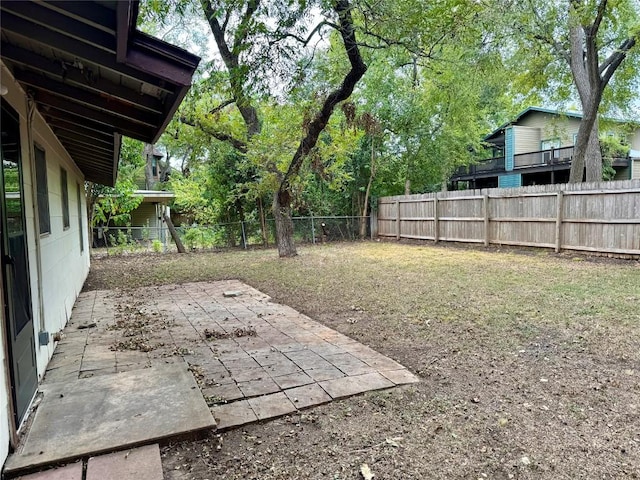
x,y
543,157
495,164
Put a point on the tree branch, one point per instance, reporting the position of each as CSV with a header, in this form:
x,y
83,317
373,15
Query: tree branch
x,y
224,104
602,7
242,31
317,125
223,137
301,40
614,60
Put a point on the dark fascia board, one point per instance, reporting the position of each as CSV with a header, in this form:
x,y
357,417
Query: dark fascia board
x,y
150,54
83,51
117,146
174,107
124,20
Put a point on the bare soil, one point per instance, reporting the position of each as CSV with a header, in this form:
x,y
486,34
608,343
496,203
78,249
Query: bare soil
x,y
530,363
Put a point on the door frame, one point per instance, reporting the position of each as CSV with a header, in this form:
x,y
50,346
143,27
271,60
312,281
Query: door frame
x,y
7,332
11,407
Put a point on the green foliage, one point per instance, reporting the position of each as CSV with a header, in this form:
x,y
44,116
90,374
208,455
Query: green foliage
x,y
612,147
157,246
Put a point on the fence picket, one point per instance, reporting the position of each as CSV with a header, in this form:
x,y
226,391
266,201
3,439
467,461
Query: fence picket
x,y
596,217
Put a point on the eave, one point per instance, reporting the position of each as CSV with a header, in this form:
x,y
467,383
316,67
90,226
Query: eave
x,y
93,76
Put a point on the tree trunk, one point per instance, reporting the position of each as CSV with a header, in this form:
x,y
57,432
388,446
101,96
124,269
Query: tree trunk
x,y
284,224
407,187
174,233
594,156
282,198
149,180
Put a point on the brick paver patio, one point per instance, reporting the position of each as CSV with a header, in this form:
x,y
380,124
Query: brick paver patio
x,y
252,359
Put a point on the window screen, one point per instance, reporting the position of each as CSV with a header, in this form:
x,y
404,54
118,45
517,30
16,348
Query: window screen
x,y
44,220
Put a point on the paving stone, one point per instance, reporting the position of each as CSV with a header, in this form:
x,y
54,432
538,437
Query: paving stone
x,y
349,364
281,369
325,348
293,380
325,373
271,358
227,392
233,414
68,472
307,396
254,388
348,386
97,372
239,364
142,463
307,359
400,377
270,406
245,375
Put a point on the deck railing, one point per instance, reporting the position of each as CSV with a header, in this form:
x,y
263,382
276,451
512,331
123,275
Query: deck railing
x,y
543,157
495,164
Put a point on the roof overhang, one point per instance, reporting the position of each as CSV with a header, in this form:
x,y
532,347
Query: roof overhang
x,y
94,76
155,196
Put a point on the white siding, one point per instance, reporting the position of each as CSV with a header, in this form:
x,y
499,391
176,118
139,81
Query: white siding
x,y
146,215
63,267
634,140
527,139
552,126
635,169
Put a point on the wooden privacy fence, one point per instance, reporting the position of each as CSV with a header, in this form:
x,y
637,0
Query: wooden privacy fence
x,y
596,217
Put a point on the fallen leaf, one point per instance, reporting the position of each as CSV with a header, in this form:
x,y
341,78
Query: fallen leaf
x,y
366,472
393,441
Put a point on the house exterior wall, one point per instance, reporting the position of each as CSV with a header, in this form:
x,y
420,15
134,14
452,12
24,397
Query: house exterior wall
x,y
635,168
552,126
59,266
527,139
146,215
634,140
511,180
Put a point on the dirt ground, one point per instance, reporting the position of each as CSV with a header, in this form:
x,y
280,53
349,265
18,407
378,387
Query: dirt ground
x,y
530,363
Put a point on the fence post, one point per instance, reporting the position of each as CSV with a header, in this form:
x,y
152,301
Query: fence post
x,y
436,220
313,230
559,201
397,219
485,204
373,224
244,236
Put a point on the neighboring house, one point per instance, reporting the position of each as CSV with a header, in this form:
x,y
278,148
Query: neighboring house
x,y
149,215
75,76
537,148
146,222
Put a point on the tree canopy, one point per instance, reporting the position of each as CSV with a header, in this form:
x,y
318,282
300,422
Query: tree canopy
x,y
322,106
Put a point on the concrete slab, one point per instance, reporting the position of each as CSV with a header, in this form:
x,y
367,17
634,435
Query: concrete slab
x,y
68,472
141,463
111,412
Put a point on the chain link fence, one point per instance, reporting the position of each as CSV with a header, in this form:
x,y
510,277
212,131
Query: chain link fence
x,y
242,235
